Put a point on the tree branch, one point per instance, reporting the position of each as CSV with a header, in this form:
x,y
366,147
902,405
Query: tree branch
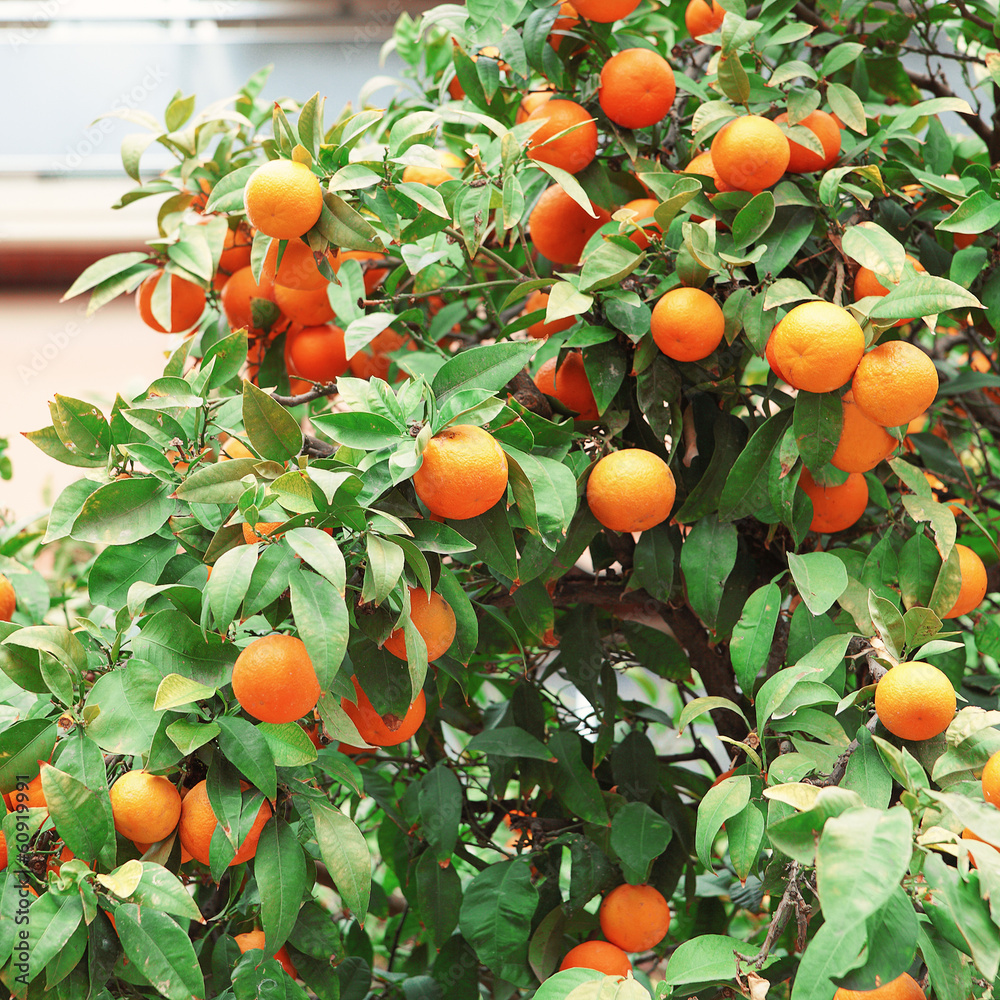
x,y
317,392
522,387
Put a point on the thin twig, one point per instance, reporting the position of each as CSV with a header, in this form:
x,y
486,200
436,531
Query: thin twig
x,y
316,392
486,252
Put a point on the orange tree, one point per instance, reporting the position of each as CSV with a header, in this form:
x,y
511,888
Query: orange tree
x,y
560,537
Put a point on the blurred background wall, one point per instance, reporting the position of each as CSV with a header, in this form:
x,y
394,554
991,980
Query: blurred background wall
x,y
64,63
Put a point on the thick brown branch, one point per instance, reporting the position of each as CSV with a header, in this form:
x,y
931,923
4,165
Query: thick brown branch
x,y
522,387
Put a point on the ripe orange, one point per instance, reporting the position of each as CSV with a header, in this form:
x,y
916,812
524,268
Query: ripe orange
x,y
637,88
631,490
835,507
298,268
894,383
187,303
803,160
634,917
817,346
198,823
904,987
866,282
463,472
687,324
145,806
772,359
433,618
274,679
8,599
374,276
973,583
283,199
991,780
434,175
602,956
863,443
702,19
750,152
374,728
575,150
315,354
605,11
235,252
310,307
569,385
541,330
644,209
532,101
915,701
703,165
560,229
252,532
374,361
34,797
255,939
237,298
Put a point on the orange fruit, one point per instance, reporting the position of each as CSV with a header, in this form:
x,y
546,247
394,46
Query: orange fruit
x,y
605,11
750,152
560,229
274,679
463,472
8,599
198,823
915,701
532,101
817,346
315,354
772,359
283,199
374,728
687,324
237,298
701,18
703,165
637,88
867,282
374,361
631,490
634,917
569,384
33,797
541,330
434,176
252,532
575,150
565,22
298,268
602,956
255,939
187,303
863,443
433,618
991,780
835,507
145,806
644,209
802,160
973,583
894,383
235,251
310,307
904,987
373,275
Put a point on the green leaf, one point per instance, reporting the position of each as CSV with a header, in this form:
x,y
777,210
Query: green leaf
x,y
50,924
344,227
490,367
707,958
160,950
127,722
247,750
346,855
227,586
833,951
866,774
924,295
323,623
119,566
82,815
368,431
708,556
496,918
320,551
820,579
545,489
574,784
288,743
227,195
22,745
753,220
124,511
439,896
720,802
701,706
638,836
978,213
607,266
273,431
440,801
750,645
220,483
102,270
746,490
745,832
872,247
81,427
47,440
280,870
817,424
509,741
